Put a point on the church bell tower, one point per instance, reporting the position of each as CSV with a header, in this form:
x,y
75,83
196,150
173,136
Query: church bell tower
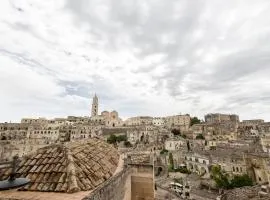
x,y
94,106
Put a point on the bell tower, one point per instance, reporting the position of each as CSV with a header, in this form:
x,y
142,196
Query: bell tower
x,y
94,106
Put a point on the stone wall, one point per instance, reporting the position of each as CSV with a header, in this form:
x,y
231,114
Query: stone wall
x,y
142,188
112,189
243,193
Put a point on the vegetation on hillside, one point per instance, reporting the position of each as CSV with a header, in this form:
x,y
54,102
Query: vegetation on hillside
x,y
200,137
176,132
223,180
113,139
163,151
194,120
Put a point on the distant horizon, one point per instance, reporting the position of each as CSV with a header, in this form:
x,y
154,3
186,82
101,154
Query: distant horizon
x,y
125,118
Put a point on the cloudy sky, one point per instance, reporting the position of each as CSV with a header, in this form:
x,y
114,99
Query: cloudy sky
x,y
154,57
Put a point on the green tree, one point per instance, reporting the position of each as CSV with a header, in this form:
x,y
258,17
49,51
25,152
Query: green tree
x,y
176,132
121,138
194,120
163,151
200,137
220,177
112,139
241,181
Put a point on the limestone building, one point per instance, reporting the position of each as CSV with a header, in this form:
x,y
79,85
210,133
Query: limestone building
x,y
180,121
218,117
198,163
139,120
252,122
109,119
158,121
174,144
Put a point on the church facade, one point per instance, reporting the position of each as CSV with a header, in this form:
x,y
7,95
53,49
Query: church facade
x,y
109,119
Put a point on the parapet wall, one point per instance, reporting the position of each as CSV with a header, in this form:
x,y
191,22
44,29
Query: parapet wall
x,y
112,189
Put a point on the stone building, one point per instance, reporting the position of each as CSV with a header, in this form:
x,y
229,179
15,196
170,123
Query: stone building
x,y
218,117
109,119
139,121
174,144
45,133
198,163
264,128
82,132
258,166
144,134
180,121
265,143
230,160
158,121
251,122
34,121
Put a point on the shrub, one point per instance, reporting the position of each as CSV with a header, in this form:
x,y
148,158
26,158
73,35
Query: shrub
x,y
164,151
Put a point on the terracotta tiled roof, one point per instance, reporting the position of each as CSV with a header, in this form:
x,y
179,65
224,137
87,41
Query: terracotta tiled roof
x,y
68,168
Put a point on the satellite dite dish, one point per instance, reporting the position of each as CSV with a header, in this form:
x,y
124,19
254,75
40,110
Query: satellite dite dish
x,y
12,182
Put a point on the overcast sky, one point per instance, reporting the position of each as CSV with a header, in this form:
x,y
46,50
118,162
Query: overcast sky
x,y
154,57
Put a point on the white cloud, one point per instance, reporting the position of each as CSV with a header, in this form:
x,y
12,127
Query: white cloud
x,y
151,58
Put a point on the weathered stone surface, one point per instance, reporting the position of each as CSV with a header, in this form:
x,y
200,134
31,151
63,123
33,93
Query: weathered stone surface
x,y
112,189
68,168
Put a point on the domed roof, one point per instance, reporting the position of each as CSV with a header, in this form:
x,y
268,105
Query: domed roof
x,y
69,168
